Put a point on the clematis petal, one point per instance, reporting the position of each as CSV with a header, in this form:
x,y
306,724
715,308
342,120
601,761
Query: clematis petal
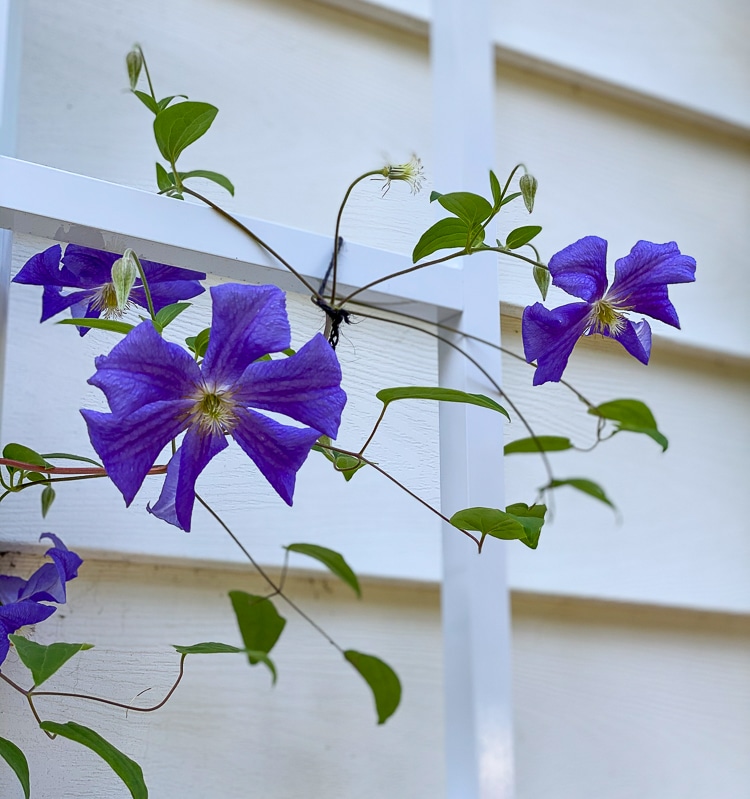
x,y
163,294
161,273
17,615
636,338
581,268
276,449
144,368
10,588
550,335
54,301
305,387
85,267
642,277
175,503
129,445
48,582
42,269
247,322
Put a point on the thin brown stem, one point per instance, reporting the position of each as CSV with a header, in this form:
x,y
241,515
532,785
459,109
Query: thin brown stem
x,y
337,450
374,430
246,230
335,259
414,268
471,359
261,571
31,693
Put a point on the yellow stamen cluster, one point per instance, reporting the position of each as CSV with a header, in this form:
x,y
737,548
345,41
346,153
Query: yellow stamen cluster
x,y
213,411
105,301
606,318
410,173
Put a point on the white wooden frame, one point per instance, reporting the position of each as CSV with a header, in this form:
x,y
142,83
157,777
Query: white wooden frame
x,y
64,207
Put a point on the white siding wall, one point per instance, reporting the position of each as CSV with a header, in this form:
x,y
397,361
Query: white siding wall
x,y
631,640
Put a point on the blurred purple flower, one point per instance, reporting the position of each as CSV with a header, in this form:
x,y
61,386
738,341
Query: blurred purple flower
x,y
20,600
156,390
89,273
640,285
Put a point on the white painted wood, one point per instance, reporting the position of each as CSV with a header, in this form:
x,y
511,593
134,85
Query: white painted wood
x,y
688,61
475,600
47,202
10,64
611,700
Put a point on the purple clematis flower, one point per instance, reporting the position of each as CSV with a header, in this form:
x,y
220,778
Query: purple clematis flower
x,y
89,273
156,390
640,285
20,600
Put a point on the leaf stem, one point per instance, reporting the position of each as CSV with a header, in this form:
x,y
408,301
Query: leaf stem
x,y
334,272
419,499
264,574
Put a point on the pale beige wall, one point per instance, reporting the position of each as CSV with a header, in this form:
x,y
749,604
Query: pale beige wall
x,y
611,700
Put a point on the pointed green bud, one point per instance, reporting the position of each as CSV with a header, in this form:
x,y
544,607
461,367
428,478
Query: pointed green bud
x,y
134,61
124,274
528,184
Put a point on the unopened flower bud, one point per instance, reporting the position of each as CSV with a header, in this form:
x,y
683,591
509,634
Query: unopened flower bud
x,y
528,184
134,61
124,274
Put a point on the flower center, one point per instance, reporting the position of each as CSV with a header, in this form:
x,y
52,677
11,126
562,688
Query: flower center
x,y
607,318
213,411
105,301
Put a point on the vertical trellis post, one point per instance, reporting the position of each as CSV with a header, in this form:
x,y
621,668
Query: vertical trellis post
x,y
475,603
10,58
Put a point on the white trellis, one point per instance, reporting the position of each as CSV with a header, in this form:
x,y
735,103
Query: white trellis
x,y
70,208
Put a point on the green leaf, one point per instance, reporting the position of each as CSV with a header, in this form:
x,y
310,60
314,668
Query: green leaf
x,y
170,313
165,101
348,465
542,278
100,324
163,179
147,100
582,484
471,208
16,759
48,497
497,192
214,648
44,661
631,415
125,768
387,395
528,185
199,344
35,477
178,126
531,519
259,622
510,198
216,177
489,521
332,560
435,195
17,452
538,444
447,234
208,648
382,679
522,235
68,457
